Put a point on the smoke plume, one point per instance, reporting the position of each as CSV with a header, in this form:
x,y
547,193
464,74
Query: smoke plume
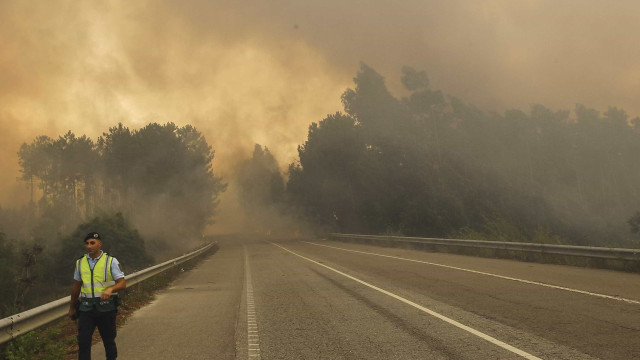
x,y
259,72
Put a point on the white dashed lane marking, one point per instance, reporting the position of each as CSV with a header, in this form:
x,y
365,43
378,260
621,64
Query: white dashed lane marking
x,y
253,339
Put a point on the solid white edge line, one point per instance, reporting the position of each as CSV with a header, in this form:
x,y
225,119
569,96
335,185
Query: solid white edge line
x,y
489,274
424,309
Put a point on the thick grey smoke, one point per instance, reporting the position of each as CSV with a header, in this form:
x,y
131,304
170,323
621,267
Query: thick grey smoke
x,y
259,72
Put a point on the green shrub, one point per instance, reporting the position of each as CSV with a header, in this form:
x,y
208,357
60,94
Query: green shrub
x,y
118,238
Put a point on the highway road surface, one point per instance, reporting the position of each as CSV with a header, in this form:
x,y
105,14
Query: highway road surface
x,y
316,299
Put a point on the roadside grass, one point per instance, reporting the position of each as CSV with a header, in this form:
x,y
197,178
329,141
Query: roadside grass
x,y
57,341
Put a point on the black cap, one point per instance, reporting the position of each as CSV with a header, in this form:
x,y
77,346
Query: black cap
x,y
92,235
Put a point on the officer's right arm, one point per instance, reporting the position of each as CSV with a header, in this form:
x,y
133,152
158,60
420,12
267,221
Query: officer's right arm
x,y
75,293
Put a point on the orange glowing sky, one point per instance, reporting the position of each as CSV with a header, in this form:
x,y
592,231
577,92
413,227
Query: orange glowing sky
x,y
261,71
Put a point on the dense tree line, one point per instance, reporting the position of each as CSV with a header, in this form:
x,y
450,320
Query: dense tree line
x,y
163,176
260,180
157,181
160,175
431,165
261,190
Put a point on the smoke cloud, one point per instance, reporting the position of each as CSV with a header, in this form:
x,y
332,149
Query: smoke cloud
x,y
259,72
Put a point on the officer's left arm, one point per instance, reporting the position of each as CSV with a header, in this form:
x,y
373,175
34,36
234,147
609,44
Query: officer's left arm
x,y
121,284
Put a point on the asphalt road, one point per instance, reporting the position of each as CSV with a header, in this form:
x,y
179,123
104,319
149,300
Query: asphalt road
x,y
292,299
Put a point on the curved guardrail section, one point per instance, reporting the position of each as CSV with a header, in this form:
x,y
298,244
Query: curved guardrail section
x,y
583,251
18,324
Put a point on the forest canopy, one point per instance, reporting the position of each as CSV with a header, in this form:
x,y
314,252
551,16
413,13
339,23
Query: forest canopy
x,y
150,192
431,165
160,176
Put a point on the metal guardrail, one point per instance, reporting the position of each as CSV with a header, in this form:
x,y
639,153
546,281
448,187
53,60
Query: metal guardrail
x,y
582,251
19,324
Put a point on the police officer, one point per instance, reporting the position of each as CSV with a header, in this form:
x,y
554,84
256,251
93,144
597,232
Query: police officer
x,y
97,280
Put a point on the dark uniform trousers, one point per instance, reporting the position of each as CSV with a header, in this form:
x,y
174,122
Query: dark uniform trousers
x,y
106,324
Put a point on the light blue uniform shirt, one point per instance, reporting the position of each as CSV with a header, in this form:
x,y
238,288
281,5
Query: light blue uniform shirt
x,y
115,268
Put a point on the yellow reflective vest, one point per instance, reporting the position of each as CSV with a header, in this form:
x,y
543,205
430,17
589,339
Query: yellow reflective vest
x,y
94,282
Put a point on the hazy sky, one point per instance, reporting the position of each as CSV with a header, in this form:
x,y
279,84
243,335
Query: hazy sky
x,y
246,72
